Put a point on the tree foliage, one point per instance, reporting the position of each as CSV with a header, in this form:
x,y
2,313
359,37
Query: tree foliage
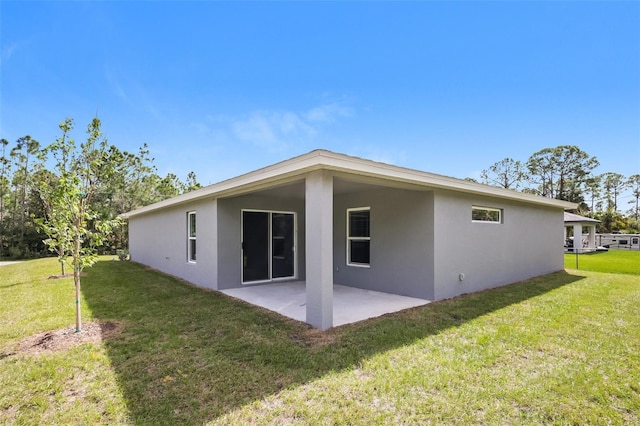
x,y
566,172
73,227
561,172
613,184
31,184
507,173
634,184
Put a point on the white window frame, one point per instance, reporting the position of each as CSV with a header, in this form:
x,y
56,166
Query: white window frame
x,y
190,256
489,209
350,238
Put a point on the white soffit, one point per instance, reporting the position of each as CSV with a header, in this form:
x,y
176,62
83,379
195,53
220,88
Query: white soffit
x,y
292,169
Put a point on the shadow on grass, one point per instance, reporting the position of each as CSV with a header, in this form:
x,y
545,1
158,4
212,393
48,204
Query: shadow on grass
x,y
187,355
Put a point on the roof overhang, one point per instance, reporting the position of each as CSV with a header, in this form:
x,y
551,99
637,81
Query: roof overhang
x,y
295,168
577,219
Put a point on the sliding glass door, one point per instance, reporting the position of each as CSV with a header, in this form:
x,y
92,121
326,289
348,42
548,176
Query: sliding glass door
x,y
268,245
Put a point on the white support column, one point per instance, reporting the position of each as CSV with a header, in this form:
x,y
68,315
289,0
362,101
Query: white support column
x,y
592,237
212,265
577,238
319,248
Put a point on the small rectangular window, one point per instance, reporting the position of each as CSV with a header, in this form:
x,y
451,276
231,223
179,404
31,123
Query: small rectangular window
x,y
359,237
191,237
486,214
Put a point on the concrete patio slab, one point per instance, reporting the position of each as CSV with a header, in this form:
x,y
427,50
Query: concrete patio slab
x,y
350,304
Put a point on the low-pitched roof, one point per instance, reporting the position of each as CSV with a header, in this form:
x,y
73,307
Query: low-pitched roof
x,y
575,218
326,160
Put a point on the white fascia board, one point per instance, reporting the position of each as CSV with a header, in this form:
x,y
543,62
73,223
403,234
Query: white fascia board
x,y
360,166
293,168
279,172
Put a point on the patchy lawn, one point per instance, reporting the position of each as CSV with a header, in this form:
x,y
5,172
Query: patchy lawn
x,y
561,349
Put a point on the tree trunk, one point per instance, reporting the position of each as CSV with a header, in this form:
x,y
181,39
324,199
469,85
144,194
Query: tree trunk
x,y
76,280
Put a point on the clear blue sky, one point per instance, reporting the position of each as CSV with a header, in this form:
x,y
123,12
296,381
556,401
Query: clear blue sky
x,y
222,88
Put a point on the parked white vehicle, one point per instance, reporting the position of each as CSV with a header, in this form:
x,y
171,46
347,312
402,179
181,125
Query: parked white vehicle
x,y
619,241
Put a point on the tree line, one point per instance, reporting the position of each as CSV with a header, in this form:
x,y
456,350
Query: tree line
x,y
566,173
36,178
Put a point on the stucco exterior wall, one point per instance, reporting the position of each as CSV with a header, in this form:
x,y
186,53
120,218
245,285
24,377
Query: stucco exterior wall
x,y
527,244
159,240
421,241
401,242
229,245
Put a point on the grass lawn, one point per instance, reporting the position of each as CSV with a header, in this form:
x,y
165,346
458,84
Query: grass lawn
x,y
617,261
560,349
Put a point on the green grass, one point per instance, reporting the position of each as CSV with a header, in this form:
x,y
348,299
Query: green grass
x,y
612,261
560,349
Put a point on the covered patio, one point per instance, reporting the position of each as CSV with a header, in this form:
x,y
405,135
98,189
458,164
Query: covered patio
x,y
350,304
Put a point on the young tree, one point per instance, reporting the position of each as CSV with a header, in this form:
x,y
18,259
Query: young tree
x,y
507,173
73,223
56,221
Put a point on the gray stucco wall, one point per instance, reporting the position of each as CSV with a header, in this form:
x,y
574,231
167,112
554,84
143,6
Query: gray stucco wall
x,y
527,244
159,240
420,241
401,242
229,232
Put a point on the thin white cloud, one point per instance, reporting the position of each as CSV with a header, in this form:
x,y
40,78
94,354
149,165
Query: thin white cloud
x,y
133,94
272,129
116,87
200,128
328,113
278,130
8,51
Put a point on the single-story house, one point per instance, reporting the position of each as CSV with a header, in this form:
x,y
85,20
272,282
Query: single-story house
x,y
325,219
581,244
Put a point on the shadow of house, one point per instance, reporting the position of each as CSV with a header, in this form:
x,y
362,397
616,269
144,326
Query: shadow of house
x,y
188,355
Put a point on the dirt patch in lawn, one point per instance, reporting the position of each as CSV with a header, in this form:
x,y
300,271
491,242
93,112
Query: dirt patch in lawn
x,y
66,338
313,337
55,277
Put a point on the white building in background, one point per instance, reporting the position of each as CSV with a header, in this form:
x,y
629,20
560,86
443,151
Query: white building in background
x,y
579,241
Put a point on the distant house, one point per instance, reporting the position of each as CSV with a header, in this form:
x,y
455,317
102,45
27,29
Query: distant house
x,y
579,242
325,218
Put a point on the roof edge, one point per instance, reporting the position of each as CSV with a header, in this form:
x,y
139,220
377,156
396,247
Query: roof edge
x,y
328,160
